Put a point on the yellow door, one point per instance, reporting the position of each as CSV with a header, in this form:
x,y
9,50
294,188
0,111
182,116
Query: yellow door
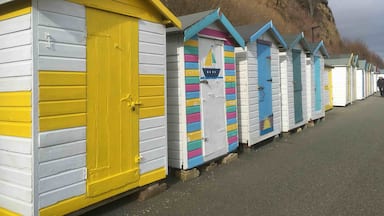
x,y
112,90
330,90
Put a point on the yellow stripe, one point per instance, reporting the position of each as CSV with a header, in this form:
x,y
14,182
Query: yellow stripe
x,y
231,127
15,129
15,99
16,114
194,136
231,103
148,91
151,80
62,93
5,212
54,78
152,176
193,102
152,101
194,73
62,121
229,54
15,9
230,79
62,107
151,112
194,43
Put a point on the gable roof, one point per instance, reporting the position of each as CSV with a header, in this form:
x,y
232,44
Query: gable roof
x,y
254,31
362,64
194,23
316,47
166,12
293,40
341,60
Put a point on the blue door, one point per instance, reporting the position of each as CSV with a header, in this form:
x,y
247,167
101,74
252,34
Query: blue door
x,y
318,88
297,86
265,87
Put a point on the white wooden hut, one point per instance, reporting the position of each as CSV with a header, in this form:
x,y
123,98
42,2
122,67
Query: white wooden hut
x,y
82,108
341,79
315,92
258,77
202,100
354,64
293,82
361,80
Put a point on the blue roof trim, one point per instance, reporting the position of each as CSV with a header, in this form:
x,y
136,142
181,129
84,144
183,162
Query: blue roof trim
x,y
201,24
320,46
265,28
232,30
304,43
208,20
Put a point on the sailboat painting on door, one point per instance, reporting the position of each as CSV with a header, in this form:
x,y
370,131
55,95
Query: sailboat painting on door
x,y
201,96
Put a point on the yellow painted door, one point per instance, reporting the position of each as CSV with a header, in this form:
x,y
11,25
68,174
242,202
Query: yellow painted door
x,y
330,89
112,89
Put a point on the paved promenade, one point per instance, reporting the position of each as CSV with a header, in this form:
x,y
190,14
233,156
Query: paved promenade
x,y
335,168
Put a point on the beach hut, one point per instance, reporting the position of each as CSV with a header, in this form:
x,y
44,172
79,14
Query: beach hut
x,y
315,87
202,101
360,80
341,79
354,64
82,108
293,82
258,77
328,93
368,80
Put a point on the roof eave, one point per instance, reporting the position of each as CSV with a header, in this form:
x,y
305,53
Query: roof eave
x,y
170,17
265,28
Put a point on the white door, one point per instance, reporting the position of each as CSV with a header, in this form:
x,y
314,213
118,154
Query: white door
x,y
211,57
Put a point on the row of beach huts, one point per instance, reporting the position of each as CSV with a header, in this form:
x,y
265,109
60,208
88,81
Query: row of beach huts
x,y
98,97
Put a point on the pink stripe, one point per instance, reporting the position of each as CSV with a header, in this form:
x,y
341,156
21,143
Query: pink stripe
x,y
194,117
195,153
192,87
230,91
229,42
231,115
213,33
232,139
230,66
191,58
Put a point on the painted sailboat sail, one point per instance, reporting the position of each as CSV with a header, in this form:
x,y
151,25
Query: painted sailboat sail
x,y
209,66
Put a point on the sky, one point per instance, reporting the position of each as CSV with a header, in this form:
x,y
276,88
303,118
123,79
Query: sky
x,y
361,19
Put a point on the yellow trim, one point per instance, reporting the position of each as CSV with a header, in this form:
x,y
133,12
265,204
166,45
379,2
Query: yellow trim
x,y
193,102
192,73
17,129
152,99
15,9
151,112
167,13
15,99
62,121
16,114
191,42
151,80
5,212
231,127
147,91
229,54
230,79
55,78
62,93
152,176
196,135
51,108
231,103
77,203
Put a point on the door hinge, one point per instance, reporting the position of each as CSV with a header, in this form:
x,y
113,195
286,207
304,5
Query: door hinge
x,y
138,158
85,173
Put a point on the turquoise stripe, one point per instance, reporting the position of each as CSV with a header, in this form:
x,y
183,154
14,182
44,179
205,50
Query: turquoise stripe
x,y
231,109
232,133
191,50
194,145
193,109
192,80
229,60
230,85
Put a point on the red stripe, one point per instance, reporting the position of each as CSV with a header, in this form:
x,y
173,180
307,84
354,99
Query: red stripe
x,y
194,117
232,139
231,115
195,153
229,42
230,91
230,66
192,87
213,33
191,58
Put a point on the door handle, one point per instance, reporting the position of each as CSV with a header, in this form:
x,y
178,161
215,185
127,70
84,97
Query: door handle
x,y
269,80
134,104
204,81
260,88
126,98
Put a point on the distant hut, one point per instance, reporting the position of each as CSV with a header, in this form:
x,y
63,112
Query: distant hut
x,y
341,79
361,77
315,91
293,82
258,78
328,87
355,65
202,99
